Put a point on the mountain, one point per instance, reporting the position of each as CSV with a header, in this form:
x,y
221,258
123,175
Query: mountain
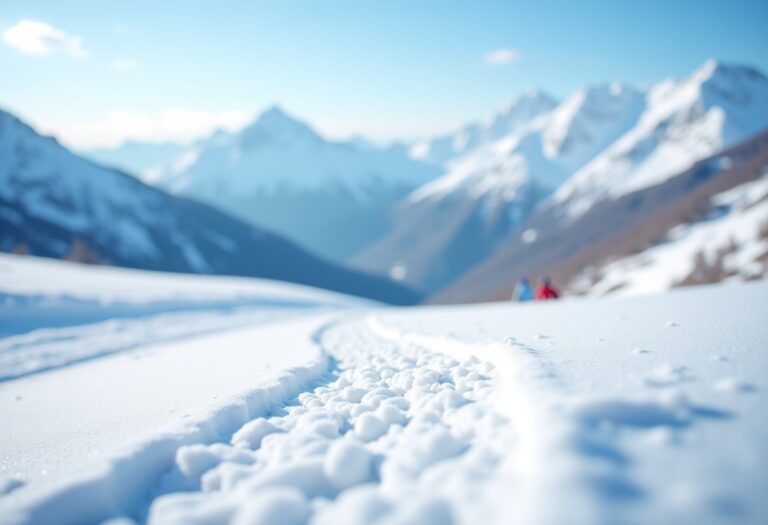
x,y
135,157
557,160
512,119
332,197
705,224
54,203
502,170
684,120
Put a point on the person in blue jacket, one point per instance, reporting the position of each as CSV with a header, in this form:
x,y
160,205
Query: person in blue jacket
x,y
523,290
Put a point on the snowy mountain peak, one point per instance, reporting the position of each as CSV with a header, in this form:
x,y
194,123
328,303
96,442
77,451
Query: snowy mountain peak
x,y
715,69
529,101
275,125
280,174
683,120
723,84
589,120
616,88
275,116
519,114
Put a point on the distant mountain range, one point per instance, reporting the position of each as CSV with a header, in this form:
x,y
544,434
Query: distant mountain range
x,y
135,157
581,188
54,203
541,158
333,198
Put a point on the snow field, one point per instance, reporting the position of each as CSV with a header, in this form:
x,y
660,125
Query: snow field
x,y
647,410
651,412
393,437
565,447
62,281
119,484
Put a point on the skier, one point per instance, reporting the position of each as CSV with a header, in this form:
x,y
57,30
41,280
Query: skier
x,y
523,291
545,290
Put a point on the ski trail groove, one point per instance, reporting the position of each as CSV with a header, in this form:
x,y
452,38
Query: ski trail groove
x,y
397,433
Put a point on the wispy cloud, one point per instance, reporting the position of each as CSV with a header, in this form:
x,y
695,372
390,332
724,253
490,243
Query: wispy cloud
x,y
39,38
500,57
123,64
172,124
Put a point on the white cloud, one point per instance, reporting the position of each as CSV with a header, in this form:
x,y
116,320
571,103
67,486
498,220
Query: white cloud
x,y
172,124
502,56
123,64
39,38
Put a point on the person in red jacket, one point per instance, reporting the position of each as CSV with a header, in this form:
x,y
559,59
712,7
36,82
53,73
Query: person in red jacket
x,y
545,290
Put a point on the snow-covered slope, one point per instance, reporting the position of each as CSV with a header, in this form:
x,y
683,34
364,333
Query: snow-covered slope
x,y
730,243
278,173
56,204
578,412
27,275
55,313
684,120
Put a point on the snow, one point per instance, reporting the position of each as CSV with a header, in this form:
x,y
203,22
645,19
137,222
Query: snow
x,y
121,397
577,411
736,234
348,463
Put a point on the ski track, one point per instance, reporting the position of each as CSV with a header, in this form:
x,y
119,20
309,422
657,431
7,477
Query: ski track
x,y
403,428
414,429
390,420
50,348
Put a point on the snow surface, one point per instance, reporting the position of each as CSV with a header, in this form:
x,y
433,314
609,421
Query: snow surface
x,y
734,236
57,313
583,411
60,280
71,417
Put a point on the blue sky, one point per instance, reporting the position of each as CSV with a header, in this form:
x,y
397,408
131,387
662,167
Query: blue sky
x,y
100,72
